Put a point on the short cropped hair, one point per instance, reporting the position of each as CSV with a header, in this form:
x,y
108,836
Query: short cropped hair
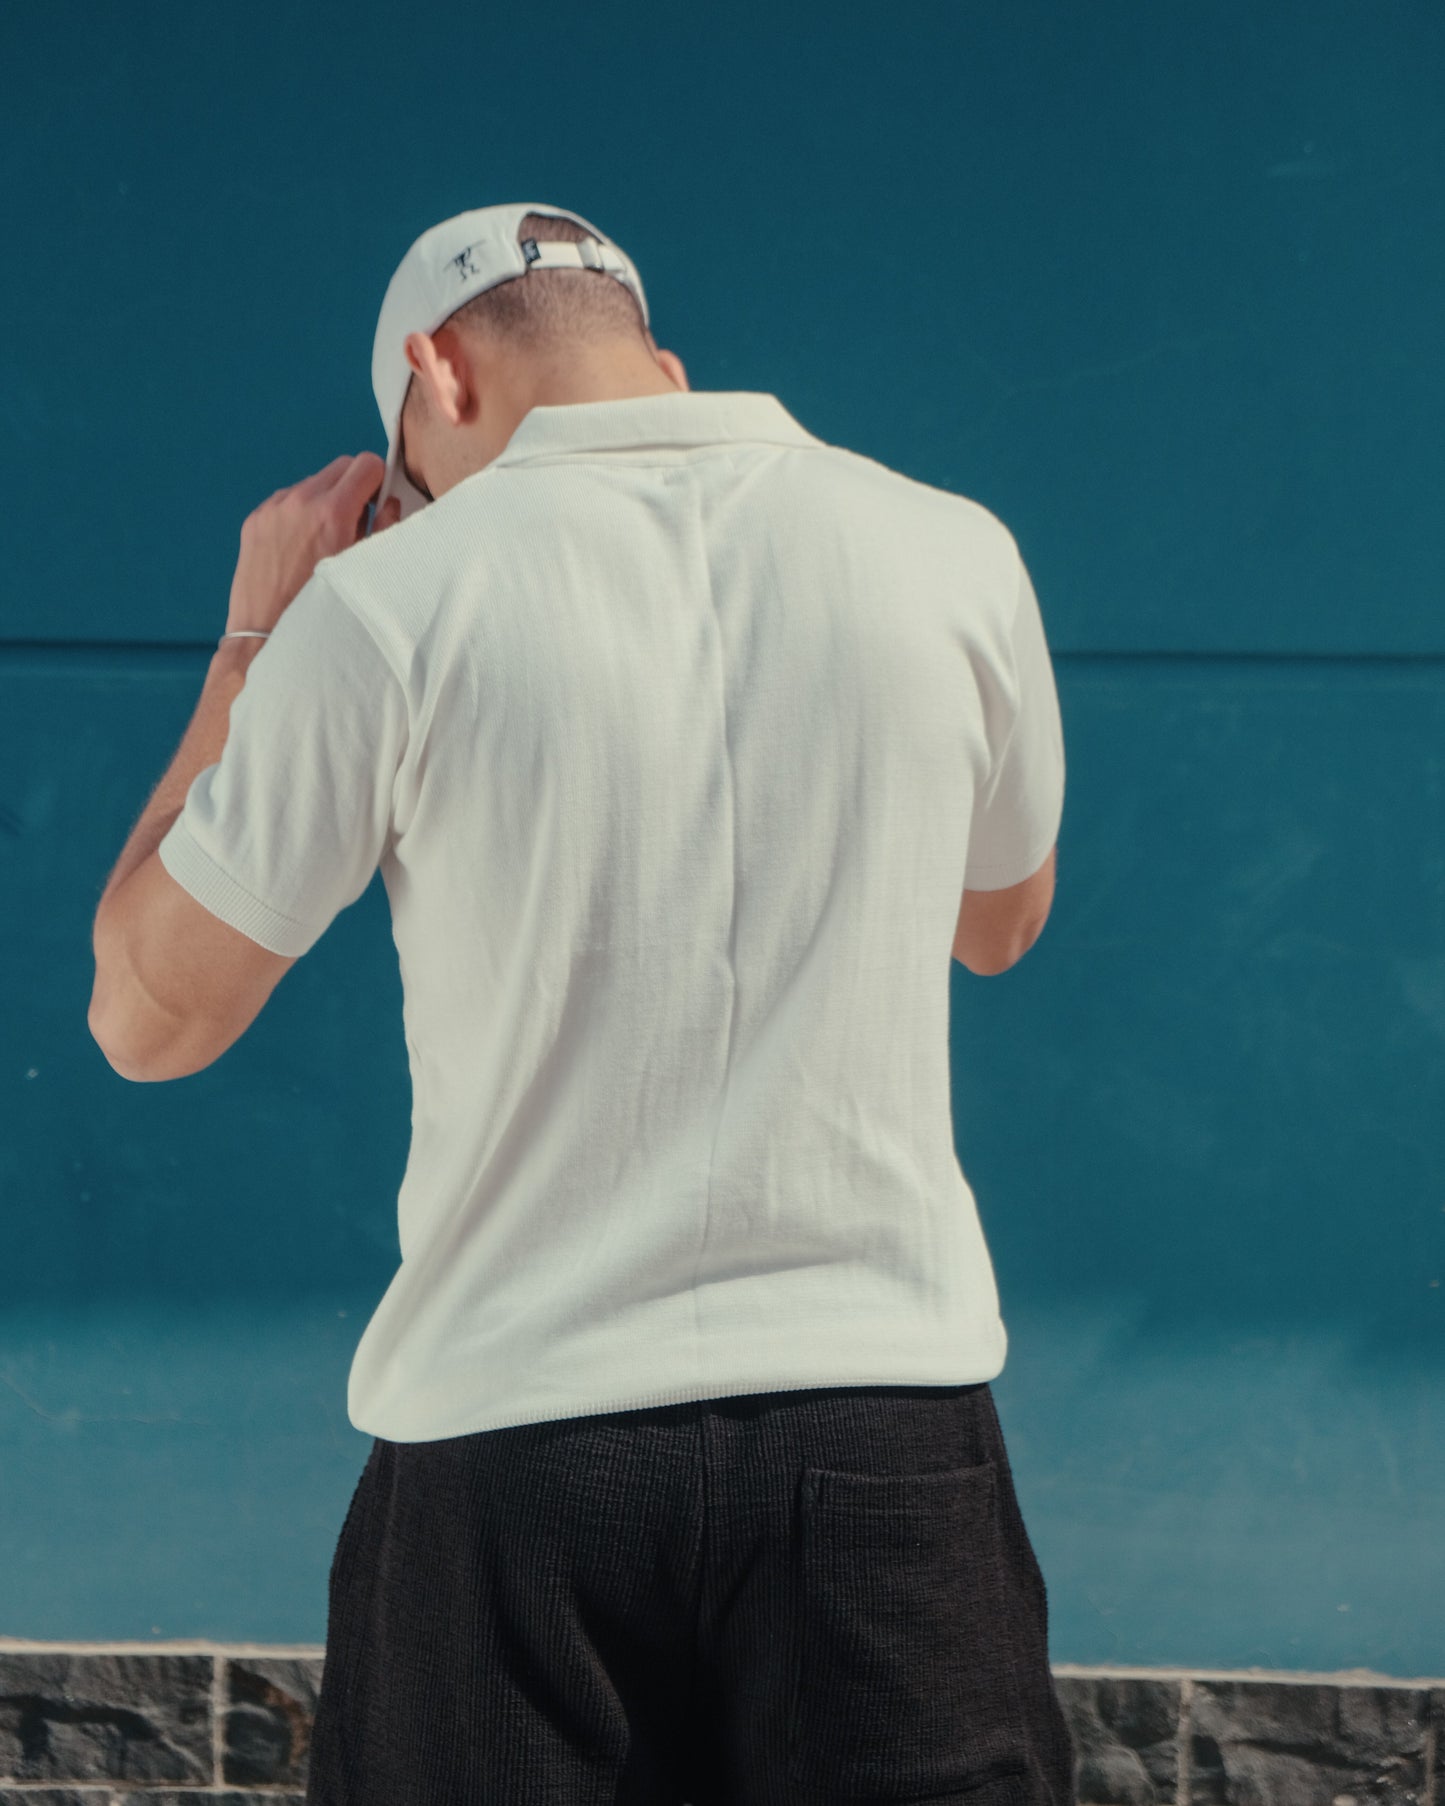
x,y
546,308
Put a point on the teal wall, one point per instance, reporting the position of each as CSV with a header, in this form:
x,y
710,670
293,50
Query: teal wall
x,y
1159,284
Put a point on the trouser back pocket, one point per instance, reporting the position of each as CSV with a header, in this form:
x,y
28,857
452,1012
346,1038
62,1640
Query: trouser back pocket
x,y
905,1679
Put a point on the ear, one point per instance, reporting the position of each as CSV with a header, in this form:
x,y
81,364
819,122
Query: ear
x,y
438,373
672,364
419,351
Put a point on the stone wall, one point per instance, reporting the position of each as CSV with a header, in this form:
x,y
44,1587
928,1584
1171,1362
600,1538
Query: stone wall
x,y
121,1724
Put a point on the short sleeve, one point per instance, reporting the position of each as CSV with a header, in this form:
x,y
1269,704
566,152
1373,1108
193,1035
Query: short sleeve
x,y
1016,815
287,828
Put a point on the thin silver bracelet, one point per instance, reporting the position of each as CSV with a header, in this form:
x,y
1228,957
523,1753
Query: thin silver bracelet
x,y
244,633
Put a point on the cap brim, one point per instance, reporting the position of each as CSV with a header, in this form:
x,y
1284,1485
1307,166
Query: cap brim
x,y
394,483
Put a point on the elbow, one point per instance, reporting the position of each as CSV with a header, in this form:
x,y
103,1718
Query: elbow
x,y
143,1070
116,1058
991,961
152,1063
996,928
988,968
123,1058
1025,945
102,1016
141,1041
132,1047
1029,942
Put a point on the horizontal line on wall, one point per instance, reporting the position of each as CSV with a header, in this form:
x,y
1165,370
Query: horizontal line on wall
x,y
1250,657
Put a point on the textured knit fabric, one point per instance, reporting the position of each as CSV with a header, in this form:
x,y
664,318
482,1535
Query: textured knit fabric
x,y
795,1597
675,733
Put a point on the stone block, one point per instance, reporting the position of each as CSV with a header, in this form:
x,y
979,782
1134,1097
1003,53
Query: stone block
x,y
74,1716
270,1705
1126,1737
1307,1743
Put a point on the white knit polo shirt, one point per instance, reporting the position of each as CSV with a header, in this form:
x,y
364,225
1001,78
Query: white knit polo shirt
x,y
676,734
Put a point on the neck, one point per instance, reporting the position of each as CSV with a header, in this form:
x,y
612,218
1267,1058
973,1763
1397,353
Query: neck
x,y
513,393
611,379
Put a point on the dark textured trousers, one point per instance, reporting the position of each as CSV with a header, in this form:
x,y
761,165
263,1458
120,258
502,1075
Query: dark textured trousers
x,y
819,1595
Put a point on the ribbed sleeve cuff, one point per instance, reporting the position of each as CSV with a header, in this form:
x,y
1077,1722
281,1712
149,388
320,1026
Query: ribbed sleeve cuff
x,y
195,871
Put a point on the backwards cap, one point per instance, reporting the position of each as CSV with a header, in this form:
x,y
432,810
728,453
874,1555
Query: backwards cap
x,y
446,266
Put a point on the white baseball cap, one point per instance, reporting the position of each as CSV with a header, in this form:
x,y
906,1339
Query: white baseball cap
x,y
446,266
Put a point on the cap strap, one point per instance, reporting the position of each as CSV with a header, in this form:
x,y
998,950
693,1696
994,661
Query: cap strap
x,y
586,254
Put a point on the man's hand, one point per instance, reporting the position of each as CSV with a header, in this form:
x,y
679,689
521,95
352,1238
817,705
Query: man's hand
x,y
283,540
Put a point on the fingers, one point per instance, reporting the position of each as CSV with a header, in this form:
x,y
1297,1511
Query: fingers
x,y
326,477
358,483
341,489
362,475
358,474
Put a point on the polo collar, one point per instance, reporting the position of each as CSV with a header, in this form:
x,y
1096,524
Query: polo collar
x,y
680,417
